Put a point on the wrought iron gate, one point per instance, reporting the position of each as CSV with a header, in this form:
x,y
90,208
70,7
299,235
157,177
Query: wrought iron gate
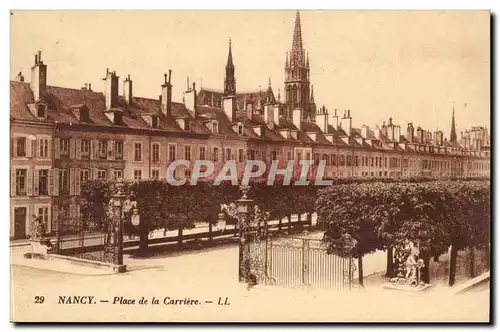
x,y
297,262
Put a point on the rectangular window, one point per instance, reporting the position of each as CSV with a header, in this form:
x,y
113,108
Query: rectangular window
x,y
171,152
333,160
137,151
103,149
84,175
308,156
240,155
187,152
43,148
202,153
118,150
21,182
289,155
118,173
43,214
101,174
299,156
21,146
43,182
155,152
64,146
215,155
342,160
274,155
85,148
64,181
155,173
137,174
228,154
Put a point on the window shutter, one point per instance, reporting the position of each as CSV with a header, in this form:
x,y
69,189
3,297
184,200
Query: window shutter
x,y
36,180
51,182
55,216
57,152
77,182
78,149
29,182
56,182
14,147
13,182
29,148
49,148
94,173
92,149
71,181
72,148
111,150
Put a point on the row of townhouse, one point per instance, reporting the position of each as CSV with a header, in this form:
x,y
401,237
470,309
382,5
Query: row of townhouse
x,y
62,137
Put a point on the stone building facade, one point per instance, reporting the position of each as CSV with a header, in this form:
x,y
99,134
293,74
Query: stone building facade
x,y
62,137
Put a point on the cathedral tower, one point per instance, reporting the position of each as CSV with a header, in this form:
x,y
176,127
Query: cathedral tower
x,y
297,86
229,80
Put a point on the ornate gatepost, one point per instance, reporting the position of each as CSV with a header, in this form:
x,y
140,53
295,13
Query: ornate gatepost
x,y
113,250
243,213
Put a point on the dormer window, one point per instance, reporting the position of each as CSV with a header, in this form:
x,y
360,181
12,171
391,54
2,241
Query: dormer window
x,y
41,110
240,129
81,112
115,116
154,121
215,127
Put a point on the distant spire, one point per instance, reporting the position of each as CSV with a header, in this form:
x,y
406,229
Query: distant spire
x,y
287,64
230,81
453,134
311,99
307,62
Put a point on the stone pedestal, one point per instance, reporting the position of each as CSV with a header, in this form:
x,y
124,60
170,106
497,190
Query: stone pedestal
x,y
39,247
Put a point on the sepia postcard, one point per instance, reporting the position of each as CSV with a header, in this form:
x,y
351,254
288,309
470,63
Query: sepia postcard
x,y
250,166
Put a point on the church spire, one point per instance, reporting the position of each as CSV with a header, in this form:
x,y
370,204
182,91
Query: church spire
x,y
297,48
229,81
453,134
311,99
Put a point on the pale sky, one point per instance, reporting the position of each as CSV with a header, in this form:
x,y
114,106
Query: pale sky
x,y
411,66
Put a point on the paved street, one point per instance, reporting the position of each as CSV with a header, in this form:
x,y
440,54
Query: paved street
x,y
210,274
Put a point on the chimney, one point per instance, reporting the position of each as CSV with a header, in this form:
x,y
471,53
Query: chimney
x,y
383,129
20,77
364,131
347,122
297,118
190,99
390,131
38,77
249,108
166,95
269,115
276,115
90,87
397,133
110,88
229,107
377,132
420,134
322,119
127,89
410,132
335,120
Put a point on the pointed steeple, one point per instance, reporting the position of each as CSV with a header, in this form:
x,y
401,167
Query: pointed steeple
x,y
311,99
307,61
230,57
453,134
229,81
297,48
287,64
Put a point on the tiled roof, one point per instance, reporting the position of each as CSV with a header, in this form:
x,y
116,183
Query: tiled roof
x,y
61,101
214,98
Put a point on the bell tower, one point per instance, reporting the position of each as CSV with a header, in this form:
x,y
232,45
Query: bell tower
x,y
297,85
